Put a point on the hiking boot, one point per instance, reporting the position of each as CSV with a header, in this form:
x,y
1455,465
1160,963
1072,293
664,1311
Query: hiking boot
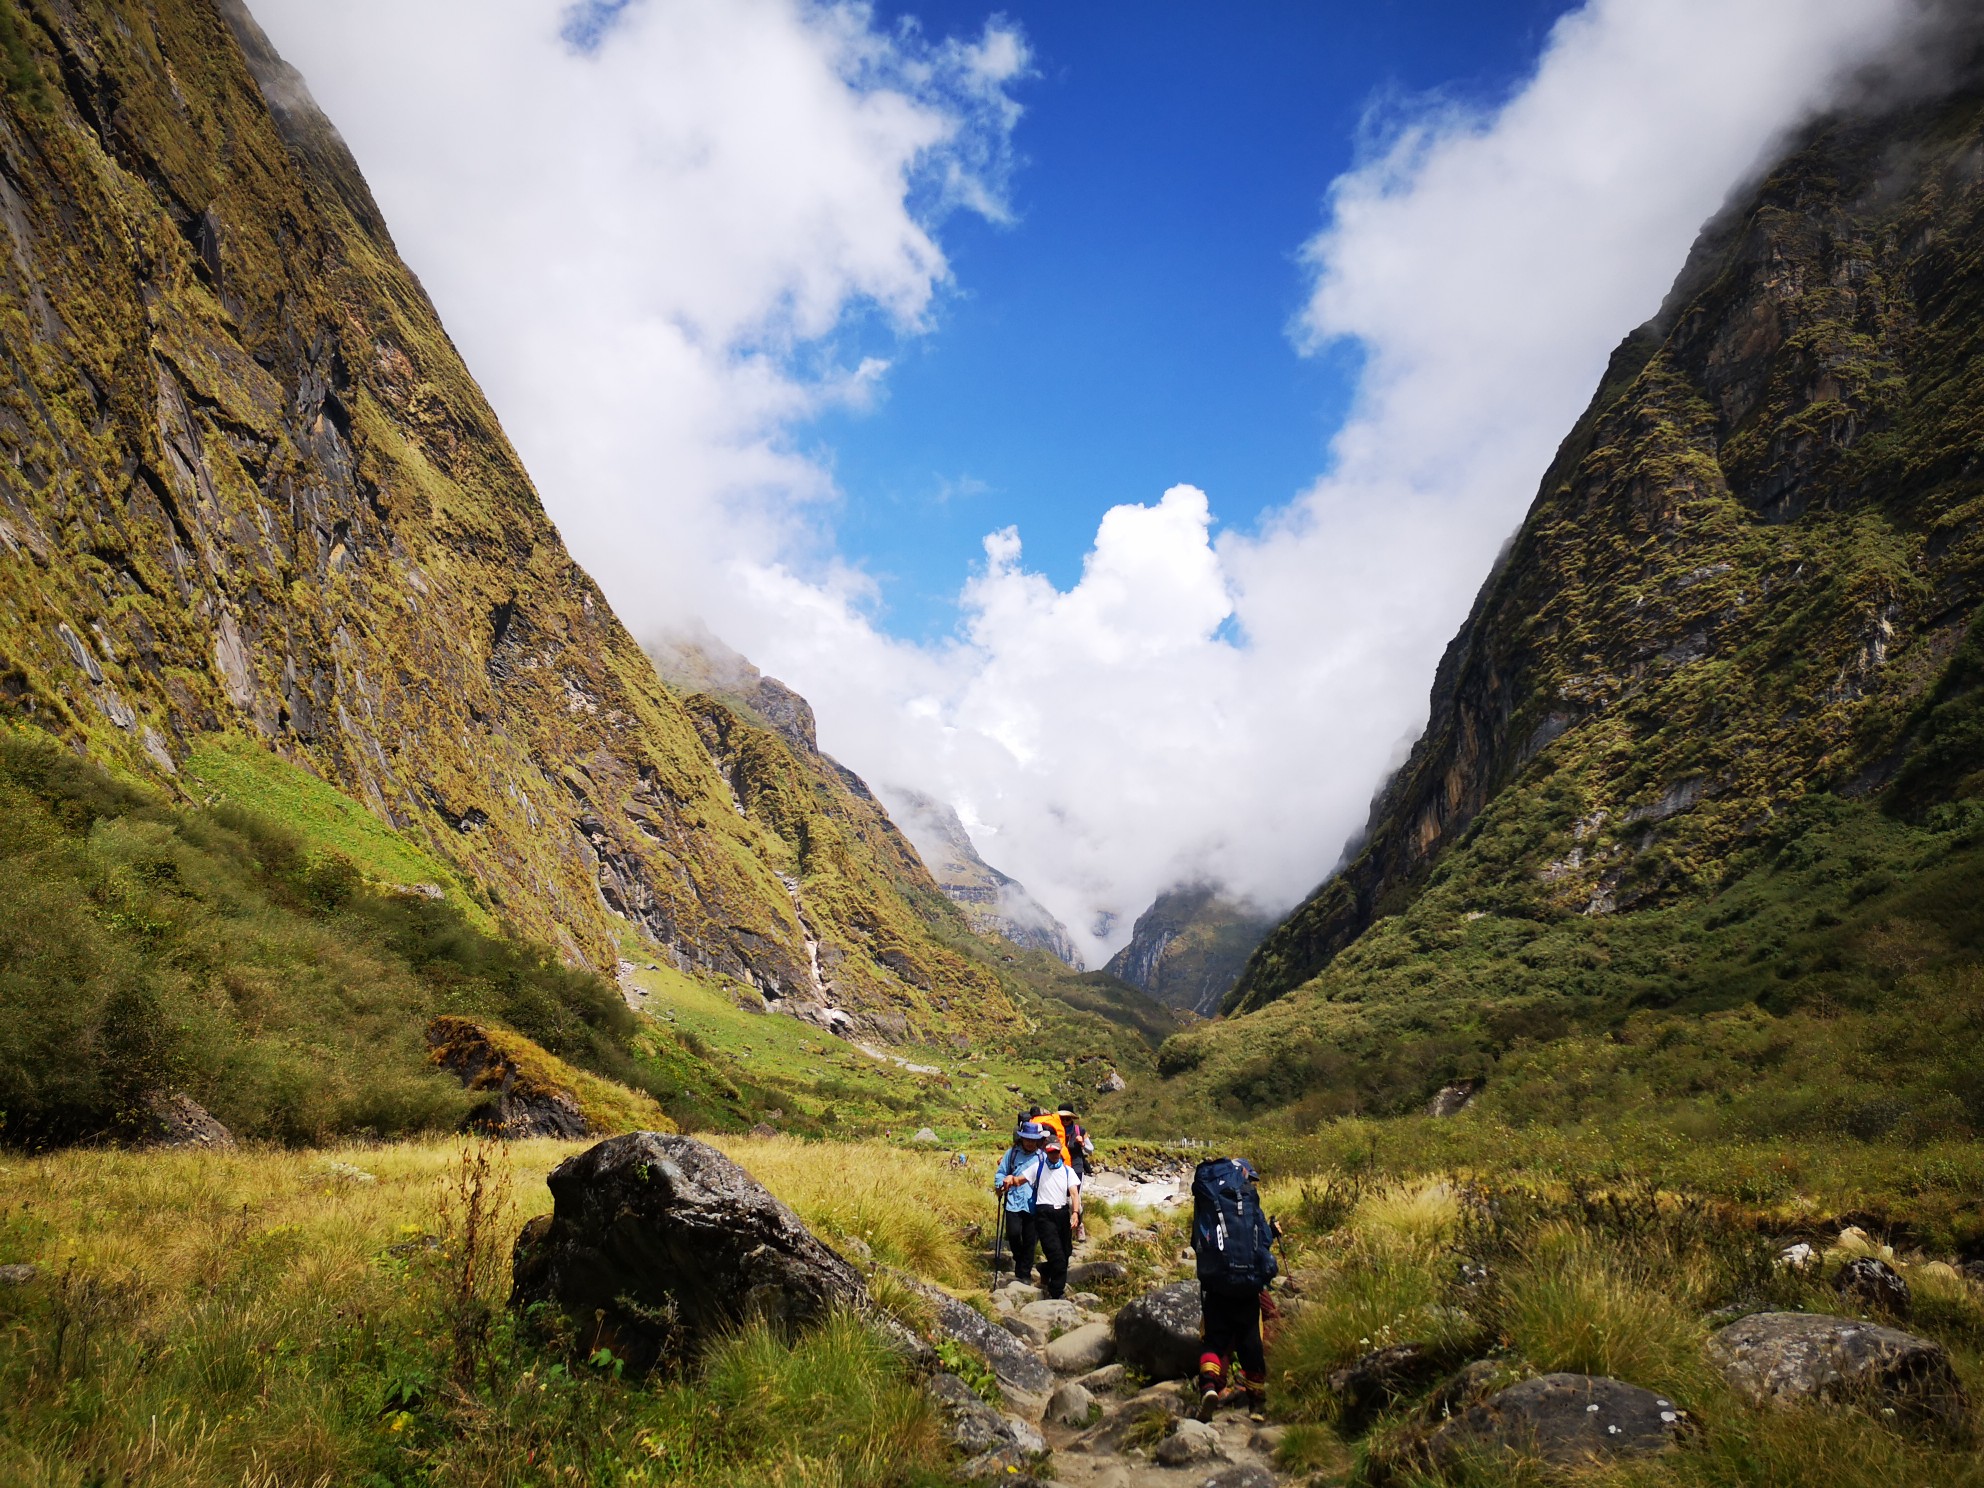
x,y
1257,1403
1211,1392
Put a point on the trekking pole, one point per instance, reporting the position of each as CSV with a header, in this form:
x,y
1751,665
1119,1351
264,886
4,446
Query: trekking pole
x,y
998,1234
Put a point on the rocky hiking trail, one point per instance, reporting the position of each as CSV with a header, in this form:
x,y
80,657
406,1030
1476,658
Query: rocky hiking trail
x,y
658,1243
1092,1396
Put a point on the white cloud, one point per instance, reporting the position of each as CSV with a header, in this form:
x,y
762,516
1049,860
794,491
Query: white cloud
x,y
645,222
648,252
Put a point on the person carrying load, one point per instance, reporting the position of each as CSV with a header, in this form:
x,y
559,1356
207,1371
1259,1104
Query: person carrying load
x,y
1079,1148
1234,1243
1057,1216
1014,1180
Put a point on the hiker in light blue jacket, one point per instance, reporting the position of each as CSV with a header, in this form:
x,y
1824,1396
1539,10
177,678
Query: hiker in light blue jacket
x,y
1016,1178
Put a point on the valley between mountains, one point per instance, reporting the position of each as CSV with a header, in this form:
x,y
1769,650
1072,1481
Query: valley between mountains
x,y
359,867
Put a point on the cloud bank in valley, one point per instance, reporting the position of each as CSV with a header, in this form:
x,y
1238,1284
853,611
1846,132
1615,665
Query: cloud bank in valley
x,y
651,226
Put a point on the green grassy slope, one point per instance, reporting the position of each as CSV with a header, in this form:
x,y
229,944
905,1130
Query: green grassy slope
x,y
148,948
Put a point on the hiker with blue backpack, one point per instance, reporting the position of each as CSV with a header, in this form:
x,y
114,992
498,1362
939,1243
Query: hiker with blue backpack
x,y
1234,1244
1015,1181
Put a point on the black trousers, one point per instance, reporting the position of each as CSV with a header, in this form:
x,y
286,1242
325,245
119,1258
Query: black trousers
x,y
1053,1231
1233,1329
1019,1238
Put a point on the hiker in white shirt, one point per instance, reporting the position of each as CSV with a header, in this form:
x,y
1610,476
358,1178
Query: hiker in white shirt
x,y
1057,1217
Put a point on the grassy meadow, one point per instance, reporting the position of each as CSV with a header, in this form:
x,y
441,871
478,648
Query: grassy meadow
x,y
335,1317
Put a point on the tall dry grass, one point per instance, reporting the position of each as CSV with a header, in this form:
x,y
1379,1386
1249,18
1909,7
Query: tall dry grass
x,y
337,1317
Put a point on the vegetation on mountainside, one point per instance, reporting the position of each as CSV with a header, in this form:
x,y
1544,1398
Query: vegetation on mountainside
x,y
1835,987
256,510
1753,572
337,1317
147,948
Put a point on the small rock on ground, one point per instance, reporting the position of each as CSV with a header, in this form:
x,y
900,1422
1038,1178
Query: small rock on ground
x,y
1026,1436
1070,1405
1244,1475
19,1273
1106,1380
1081,1350
1874,1285
1189,1441
1090,1273
1028,1333
1052,1313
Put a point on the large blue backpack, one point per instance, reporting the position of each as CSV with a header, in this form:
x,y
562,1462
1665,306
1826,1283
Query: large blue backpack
x,y
1230,1235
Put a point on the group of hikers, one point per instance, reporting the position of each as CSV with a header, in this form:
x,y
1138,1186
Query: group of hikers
x,y
1039,1183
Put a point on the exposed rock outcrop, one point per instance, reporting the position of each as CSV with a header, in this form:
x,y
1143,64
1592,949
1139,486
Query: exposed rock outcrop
x,y
178,1120
993,903
252,489
1620,692
1795,1358
516,1103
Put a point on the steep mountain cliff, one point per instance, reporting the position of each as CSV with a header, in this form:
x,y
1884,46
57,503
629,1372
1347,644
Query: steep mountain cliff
x,y
1189,947
993,904
250,489
1731,658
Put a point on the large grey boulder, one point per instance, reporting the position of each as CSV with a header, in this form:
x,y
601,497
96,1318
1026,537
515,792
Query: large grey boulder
x,y
1158,1334
656,1243
1563,1419
1792,1358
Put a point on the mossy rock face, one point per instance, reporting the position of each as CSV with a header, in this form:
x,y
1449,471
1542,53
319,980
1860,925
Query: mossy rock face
x,y
1751,574
253,491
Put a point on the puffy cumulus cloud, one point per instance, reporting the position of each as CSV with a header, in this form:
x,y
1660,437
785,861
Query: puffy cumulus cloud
x,y
1225,709
647,222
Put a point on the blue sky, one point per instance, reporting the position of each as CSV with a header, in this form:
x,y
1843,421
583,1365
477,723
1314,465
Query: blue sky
x,y
1128,330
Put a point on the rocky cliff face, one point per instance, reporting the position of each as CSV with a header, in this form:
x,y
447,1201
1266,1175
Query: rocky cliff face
x,y
993,904
1747,578
250,488
1188,948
